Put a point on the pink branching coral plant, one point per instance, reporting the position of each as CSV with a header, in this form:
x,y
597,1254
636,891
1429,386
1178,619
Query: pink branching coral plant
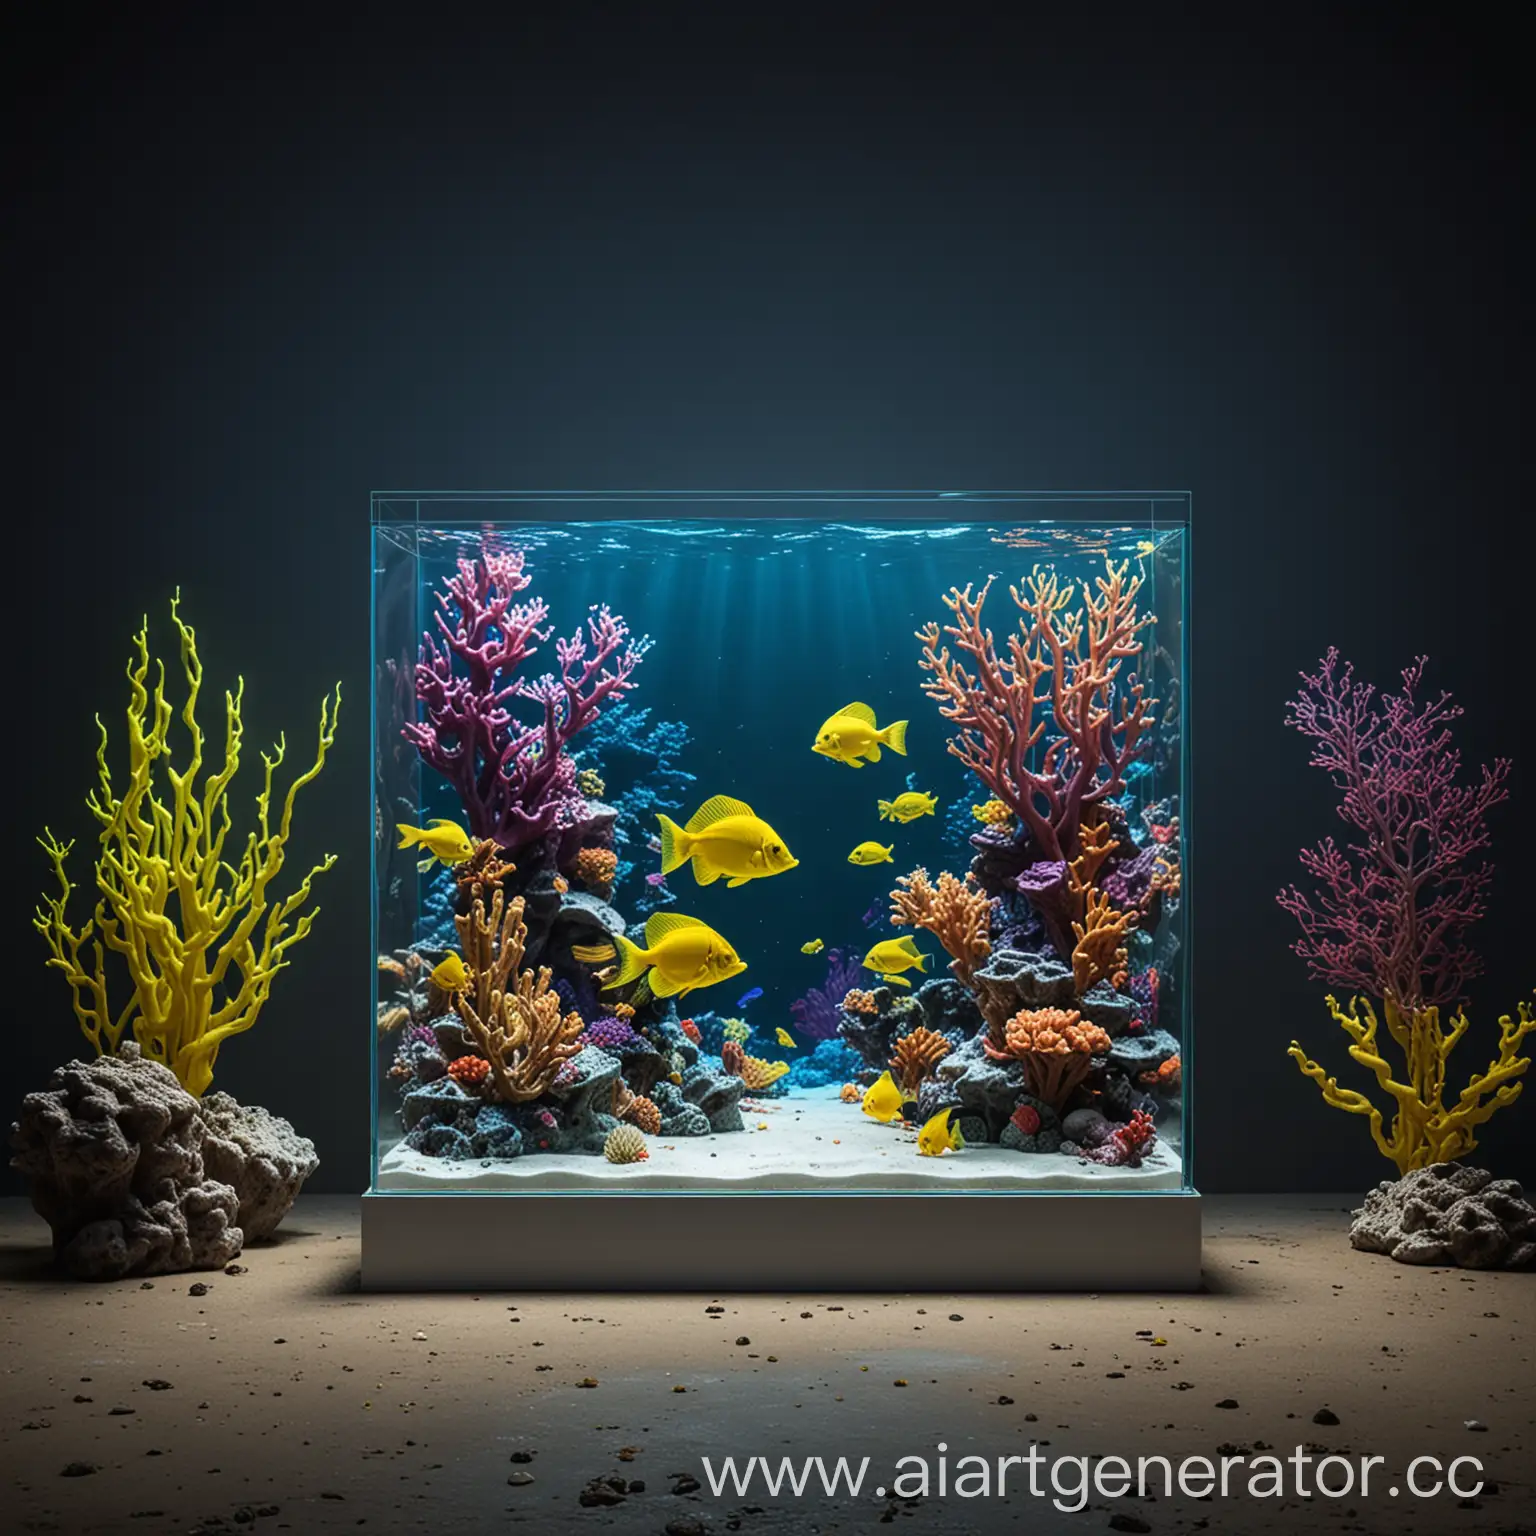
x,y
515,778
1393,906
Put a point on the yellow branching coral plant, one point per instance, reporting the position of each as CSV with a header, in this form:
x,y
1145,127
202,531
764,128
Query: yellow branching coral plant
x,y
200,929
1422,1130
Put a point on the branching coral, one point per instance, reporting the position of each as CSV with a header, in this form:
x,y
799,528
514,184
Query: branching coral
x,y
1100,949
1422,1129
915,1056
483,869
955,913
513,1018
1057,1049
200,929
816,1012
1062,671
515,778
1392,910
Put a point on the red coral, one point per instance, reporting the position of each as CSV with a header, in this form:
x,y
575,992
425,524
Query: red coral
x,y
732,1057
690,1029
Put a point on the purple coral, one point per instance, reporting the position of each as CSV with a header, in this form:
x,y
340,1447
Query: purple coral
x,y
611,1035
819,1012
516,780
1393,906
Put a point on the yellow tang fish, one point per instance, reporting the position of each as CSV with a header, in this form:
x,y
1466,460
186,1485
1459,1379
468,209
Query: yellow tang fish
x,y
908,807
895,980
896,955
815,947
884,1100
851,734
680,953
872,853
445,841
940,1135
452,975
786,1039
724,837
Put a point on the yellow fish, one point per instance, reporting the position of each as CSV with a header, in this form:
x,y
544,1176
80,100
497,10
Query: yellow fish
x,y
939,1135
908,807
786,1039
1146,547
680,953
815,947
445,841
884,1100
851,734
896,981
452,975
724,837
872,853
896,955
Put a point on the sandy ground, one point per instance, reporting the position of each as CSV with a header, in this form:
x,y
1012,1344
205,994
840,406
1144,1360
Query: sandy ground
x,y
803,1142
282,1399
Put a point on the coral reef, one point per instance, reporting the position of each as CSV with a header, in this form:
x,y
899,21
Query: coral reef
x,y
626,1144
956,914
1100,949
1063,669
1447,1213
519,1029
515,777
1393,908
758,1074
1127,1145
1057,1050
197,922
1422,1129
136,1176
817,1012
733,1057
916,1056
595,868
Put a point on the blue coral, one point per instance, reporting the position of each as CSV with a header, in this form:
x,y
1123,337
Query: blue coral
x,y
833,1061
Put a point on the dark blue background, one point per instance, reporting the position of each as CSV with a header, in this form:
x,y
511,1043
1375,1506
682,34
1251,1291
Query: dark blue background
x,y
257,266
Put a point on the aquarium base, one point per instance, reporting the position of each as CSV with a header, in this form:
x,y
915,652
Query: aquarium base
x,y
782,1242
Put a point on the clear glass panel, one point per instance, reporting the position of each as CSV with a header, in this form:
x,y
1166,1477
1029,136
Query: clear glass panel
x,y
1027,1032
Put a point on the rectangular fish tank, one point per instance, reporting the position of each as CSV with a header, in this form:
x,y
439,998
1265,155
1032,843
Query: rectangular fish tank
x,y
743,862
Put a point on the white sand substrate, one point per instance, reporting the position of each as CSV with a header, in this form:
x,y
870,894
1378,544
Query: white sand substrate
x,y
807,1141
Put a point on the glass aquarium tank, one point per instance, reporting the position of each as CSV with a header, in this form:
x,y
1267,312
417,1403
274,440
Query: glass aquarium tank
x,y
776,888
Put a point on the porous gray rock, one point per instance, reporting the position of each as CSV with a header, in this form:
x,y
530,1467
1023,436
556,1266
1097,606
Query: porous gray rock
x,y
583,1090
1013,979
1143,1052
260,1155
114,1152
987,1089
718,1095
1449,1213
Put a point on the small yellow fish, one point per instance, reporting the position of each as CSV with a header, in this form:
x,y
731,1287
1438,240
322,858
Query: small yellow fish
x,y
786,1039
872,853
452,975
1146,547
896,955
939,1135
815,947
908,807
680,953
445,841
884,1100
896,981
851,734
724,837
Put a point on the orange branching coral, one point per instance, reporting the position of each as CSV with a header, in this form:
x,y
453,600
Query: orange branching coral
x,y
513,1018
1062,673
916,1056
469,1071
732,1056
623,1011
484,868
1055,1045
596,867
1095,844
758,1074
859,1001
954,912
1100,938
851,1093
